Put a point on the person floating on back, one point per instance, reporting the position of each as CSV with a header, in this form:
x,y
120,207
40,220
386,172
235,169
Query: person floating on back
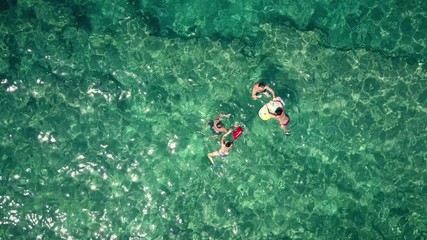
x,y
224,150
281,117
259,89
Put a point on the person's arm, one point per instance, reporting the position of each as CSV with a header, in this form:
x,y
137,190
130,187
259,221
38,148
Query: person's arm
x,y
225,135
223,130
273,115
271,91
254,97
219,116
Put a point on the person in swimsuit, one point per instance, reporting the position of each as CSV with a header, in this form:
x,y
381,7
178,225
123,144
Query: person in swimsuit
x,y
260,89
216,126
224,150
281,117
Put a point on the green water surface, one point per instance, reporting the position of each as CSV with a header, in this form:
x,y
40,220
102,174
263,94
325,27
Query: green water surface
x,y
103,104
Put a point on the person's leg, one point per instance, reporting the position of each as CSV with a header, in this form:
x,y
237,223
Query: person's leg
x,y
211,155
283,127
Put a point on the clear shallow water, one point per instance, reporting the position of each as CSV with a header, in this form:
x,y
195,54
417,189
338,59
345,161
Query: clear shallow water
x,y
102,106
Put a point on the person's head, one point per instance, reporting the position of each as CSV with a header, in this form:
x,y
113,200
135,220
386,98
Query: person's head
x,y
228,144
219,125
261,84
279,111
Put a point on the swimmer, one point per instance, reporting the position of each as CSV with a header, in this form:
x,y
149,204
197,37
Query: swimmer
x,y
260,89
216,126
224,150
281,117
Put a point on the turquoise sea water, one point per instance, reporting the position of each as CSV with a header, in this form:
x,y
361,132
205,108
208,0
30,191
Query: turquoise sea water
x,y
102,106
